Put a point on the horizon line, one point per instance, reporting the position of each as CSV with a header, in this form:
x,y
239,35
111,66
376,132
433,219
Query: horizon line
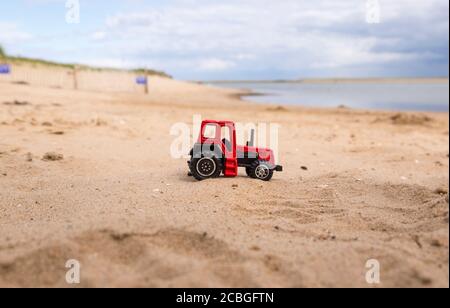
x,y
328,79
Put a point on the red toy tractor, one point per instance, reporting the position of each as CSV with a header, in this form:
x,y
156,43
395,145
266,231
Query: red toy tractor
x,y
216,152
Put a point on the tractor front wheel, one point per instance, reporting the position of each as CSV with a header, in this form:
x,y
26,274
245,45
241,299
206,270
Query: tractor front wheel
x,y
206,167
260,170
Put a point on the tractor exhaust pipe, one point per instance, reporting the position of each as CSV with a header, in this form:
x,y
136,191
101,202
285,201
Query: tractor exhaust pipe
x,y
251,143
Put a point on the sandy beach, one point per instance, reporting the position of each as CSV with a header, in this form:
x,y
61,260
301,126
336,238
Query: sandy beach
x,y
88,175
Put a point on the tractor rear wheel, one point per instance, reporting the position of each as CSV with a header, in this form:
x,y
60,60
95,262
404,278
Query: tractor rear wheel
x,y
206,167
261,170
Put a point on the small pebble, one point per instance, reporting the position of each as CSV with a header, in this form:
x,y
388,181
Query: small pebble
x,y
441,191
436,243
51,156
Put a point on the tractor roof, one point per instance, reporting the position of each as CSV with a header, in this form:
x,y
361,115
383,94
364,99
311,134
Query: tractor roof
x,y
221,123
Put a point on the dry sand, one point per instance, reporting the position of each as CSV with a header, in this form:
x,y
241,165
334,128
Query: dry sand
x,y
109,194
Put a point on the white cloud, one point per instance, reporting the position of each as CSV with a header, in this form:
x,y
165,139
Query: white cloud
x,y
11,33
215,65
290,34
99,35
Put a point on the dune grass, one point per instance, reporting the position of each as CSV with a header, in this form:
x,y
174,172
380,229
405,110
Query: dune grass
x,y
2,52
41,62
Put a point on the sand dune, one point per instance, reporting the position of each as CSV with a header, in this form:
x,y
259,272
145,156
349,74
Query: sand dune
x,y
357,185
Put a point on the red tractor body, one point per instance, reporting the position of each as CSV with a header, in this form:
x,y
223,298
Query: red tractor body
x,y
216,153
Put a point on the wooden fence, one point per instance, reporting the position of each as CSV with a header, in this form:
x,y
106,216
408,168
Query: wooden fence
x,y
78,79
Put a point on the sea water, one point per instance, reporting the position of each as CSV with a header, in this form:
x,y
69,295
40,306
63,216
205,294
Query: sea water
x,y
407,96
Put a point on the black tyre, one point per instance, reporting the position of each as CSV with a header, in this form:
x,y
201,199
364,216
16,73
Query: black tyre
x,y
261,170
248,170
206,167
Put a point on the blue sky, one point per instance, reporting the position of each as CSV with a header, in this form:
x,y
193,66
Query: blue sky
x,y
236,39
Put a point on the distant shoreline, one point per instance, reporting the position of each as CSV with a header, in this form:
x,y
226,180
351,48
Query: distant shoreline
x,y
339,80
399,94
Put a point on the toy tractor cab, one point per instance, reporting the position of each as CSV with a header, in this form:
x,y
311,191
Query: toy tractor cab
x,y
216,153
